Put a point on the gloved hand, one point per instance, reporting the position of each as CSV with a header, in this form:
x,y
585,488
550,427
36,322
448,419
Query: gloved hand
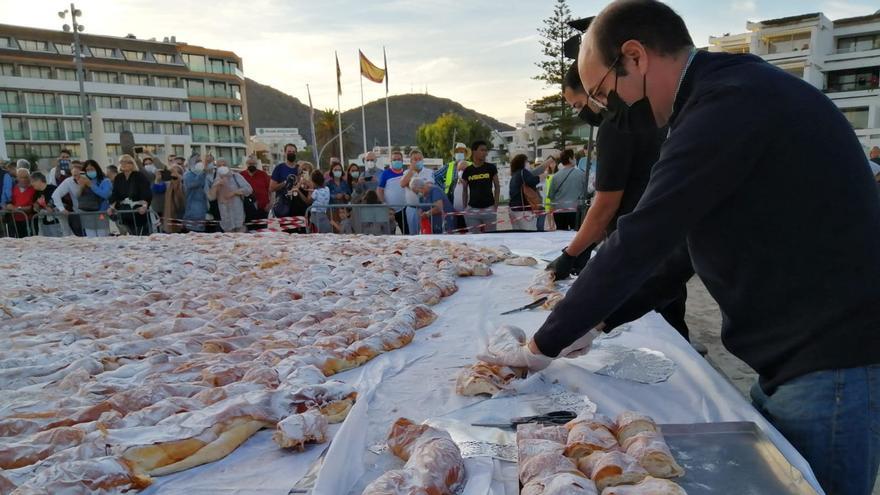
x,y
509,347
580,262
562,266
580,346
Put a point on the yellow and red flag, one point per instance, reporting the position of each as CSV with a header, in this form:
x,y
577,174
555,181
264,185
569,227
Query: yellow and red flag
x,y
369,70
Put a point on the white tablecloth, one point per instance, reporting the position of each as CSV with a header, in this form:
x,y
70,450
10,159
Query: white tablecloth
x,y
418,382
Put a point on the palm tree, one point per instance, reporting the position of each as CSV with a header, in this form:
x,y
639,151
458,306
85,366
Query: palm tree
x,y
326,129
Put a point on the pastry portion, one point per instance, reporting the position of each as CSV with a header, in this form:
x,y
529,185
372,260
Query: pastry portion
x,y
521,261
485,379
583,439
652,452
648,486
630,424
297,430
561,484
611,469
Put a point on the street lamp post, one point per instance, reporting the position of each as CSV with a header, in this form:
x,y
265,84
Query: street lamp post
x,y
80,73
328,142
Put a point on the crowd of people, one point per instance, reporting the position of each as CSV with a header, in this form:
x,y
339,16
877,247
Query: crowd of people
x,y
141,194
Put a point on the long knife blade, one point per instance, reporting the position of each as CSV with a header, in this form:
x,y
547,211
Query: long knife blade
x,y
535,304
307,482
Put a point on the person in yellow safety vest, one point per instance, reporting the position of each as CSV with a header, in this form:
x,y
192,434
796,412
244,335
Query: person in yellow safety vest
x,y
447,177
548,204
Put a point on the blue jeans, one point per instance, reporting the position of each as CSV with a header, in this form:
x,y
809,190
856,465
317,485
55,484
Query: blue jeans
x,y
833,419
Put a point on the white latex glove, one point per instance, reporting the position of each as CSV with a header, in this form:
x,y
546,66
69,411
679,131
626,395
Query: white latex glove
x,y
580,346
509,347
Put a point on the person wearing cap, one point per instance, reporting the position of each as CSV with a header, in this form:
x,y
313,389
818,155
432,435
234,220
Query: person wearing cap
x,y
447,177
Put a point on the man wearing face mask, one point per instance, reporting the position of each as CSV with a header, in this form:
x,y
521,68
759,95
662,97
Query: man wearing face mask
x,y
391,192
447,177
416,170
61,171
278,184
371,171
790,258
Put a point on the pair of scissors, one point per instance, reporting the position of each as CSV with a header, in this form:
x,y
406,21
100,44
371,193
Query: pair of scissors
x,y
555,418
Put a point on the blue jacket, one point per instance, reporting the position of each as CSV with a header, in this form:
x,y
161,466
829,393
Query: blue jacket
x,y
6,189
196,199
103,189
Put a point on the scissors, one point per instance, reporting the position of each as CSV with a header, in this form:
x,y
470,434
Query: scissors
x,y
532,305
555,417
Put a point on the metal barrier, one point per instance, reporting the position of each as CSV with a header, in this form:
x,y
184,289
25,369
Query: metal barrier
x,y
16,223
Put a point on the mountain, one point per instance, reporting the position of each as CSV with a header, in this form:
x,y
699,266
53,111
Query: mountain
x,y
268,107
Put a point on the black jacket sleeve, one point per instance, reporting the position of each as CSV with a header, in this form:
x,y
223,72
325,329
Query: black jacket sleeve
x,y
115,196
145,192
696,172
615,156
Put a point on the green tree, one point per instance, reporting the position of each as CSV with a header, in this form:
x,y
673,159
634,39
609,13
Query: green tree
x,y
327,129
436,139
554,33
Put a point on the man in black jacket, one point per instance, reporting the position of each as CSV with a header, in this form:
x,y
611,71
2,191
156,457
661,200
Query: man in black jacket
x,y
791,258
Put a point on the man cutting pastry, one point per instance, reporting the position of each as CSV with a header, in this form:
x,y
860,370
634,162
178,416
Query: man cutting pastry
x,y
766,182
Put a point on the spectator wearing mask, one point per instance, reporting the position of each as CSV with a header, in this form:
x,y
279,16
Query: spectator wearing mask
x,y
446,177
66,199
482,190
196,197
61,170
521,215
46,225
440,206
22,202
156,172
175,201
148,167
131,191
228,189
457,196
337,183
356,183
417,170
279,184
94,192
371,171
566,192
391,192
259,182
320,201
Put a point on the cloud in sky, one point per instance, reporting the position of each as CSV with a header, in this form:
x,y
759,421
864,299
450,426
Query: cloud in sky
x,y
481,54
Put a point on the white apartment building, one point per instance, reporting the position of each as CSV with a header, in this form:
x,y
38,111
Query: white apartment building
x,y
841,57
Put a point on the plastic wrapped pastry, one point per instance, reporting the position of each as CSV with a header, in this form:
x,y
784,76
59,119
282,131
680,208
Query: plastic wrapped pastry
x,y
558,434
593,420
545,465
484,378
521,261
100,475
611,469
299,429
652,452
561,484
583,440
630,424
648,486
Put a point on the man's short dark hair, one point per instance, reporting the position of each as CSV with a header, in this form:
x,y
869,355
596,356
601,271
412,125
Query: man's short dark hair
x,y
479,142
650,22
63,151
38,176
290,144
572,80
567,156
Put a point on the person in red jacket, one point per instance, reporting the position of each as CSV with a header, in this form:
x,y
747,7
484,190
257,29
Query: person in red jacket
x,y
259,182
22,200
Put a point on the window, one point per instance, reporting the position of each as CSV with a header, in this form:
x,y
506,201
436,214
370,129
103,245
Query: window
x,y
235,91
41,103
854,80
195,87
236,112
35,71
858,43
134,55
220,112
222,134
232,67
738,49
71,104
9,102
114,151
6,42
65,74
102,52
167,105
140,127
196,63
216,66
218,89
34,45
108,102
113,126
796,72
14,128
198,110
165,82
44,129
74,129
64,48
7,70
200,133
238,134
137,79
164,58
857,117
105,77
789,43
138,104
174,128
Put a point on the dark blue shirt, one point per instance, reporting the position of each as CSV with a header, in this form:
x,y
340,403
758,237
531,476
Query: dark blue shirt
x,y
280,174
765,180
437,222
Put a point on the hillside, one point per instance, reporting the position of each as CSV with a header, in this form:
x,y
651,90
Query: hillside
x,y
268,107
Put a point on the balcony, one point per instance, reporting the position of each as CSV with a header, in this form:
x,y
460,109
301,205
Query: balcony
x,y
10,134
195,91
238,139
46,135
73,110
201,138
223,138
11,108
44,109
71,135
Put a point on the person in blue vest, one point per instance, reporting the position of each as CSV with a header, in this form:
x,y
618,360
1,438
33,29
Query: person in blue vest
x,y
791,258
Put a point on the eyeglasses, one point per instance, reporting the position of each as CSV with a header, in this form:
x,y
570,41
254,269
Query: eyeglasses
x,y
591,95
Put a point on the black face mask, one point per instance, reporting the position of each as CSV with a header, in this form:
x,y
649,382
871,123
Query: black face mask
x,y
291,157
635,118
252,168
590,117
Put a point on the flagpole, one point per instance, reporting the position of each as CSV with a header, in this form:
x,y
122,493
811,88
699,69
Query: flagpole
x,y
387,111
339,108
363,114
312,128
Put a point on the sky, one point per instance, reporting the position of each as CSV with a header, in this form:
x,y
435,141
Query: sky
x,y
481,53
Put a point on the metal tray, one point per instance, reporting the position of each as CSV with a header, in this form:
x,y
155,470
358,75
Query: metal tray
x,y
732,458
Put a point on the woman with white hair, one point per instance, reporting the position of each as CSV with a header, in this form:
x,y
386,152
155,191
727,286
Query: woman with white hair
x,y
131,193
228,189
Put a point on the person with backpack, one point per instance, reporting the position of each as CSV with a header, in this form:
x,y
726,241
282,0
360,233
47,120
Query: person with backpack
x,y
525,202
95,190
228,190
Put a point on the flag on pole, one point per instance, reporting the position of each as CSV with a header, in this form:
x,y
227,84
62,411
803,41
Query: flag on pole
x,y
369,70
338,77
385,59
